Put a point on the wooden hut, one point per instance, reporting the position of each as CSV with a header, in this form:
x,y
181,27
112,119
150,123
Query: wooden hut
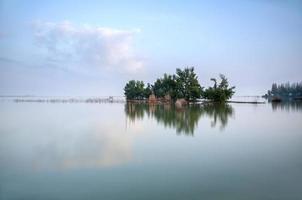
x,y
167,98
180,103
152,99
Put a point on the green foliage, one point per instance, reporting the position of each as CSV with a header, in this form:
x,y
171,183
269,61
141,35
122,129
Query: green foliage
x,y
286,90
187,85
219,93
184,84
165,85
135,90
148,91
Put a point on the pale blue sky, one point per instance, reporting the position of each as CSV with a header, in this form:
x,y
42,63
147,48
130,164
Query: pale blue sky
x,y
94,47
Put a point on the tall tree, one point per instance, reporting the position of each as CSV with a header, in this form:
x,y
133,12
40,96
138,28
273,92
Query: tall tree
x,y
148,90
286,90
187,84
135,90
165,85
219,93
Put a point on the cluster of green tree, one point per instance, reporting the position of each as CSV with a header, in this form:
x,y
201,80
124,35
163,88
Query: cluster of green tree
x,y
219,92
183,121
183,84
137,90
285,90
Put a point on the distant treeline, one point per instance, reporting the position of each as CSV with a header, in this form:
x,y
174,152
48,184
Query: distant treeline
x,y
287,90
184,84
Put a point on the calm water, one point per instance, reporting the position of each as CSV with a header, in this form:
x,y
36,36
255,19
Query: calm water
x,y
115,151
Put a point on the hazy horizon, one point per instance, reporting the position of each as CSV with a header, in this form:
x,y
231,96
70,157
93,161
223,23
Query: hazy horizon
x,y
92,48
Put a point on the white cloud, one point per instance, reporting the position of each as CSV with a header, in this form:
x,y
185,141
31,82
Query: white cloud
x,y
78,47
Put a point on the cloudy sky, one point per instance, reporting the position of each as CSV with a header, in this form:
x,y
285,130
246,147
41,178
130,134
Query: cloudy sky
x,y
95,47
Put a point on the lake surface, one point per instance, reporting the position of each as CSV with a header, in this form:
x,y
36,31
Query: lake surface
x,y
62,151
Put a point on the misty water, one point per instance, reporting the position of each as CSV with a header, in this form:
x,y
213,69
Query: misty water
x,y
119,151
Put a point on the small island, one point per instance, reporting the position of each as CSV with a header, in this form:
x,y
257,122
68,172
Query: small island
x,y
182,87
284,92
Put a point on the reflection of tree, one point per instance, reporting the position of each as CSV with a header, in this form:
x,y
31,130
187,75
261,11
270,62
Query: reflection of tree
x,y
183,120
220,112
135,111
287,106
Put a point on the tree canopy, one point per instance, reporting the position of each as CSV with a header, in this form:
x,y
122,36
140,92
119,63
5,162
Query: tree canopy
x,y
220,92
165,85
135,90
183,84
285,90
187,85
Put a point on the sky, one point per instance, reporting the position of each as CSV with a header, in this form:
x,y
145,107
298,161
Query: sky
x,y
92,48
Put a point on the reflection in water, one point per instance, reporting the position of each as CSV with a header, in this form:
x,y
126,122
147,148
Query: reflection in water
x,y
71,151
62,138
219,112
287,106
183,120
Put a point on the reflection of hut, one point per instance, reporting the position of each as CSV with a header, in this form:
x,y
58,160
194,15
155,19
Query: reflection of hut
x,y
152,108
152,99
180,102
